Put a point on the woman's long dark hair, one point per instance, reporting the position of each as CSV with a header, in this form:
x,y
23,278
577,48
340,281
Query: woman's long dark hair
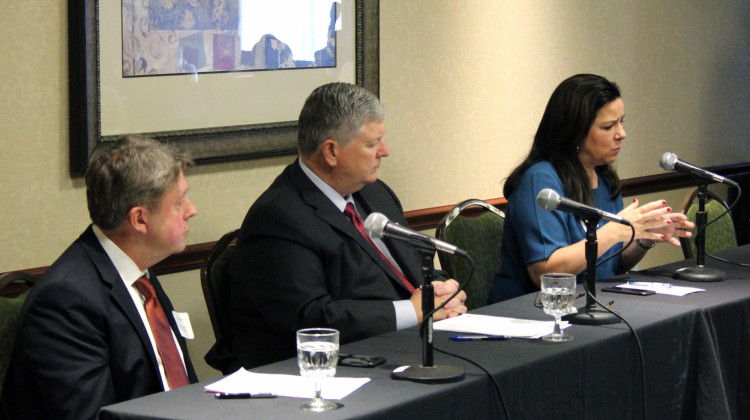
x,y
566,122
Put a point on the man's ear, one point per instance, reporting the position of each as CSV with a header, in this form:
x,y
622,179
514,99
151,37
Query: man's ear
x,y
330,150
139,218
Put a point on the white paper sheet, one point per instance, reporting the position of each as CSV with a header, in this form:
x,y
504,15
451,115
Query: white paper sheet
x,y
661,288
497,325
294,386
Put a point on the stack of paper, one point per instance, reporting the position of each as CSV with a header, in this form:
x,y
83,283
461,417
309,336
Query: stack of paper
x,y
497,325
243,381
661,288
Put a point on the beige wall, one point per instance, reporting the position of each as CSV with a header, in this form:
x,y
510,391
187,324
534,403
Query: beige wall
x,y
465,84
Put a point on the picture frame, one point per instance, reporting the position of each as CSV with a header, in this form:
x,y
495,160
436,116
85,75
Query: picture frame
x,y
206,144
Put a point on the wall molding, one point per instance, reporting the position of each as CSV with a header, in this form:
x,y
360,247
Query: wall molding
x,y
422,219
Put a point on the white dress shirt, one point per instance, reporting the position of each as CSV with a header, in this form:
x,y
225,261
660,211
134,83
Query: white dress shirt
x,y
129,273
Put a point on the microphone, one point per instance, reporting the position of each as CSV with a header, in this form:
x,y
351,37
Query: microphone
x,y
377,225
549,200
670,162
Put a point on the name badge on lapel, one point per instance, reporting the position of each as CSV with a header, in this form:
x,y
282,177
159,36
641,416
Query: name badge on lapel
x,y
183,324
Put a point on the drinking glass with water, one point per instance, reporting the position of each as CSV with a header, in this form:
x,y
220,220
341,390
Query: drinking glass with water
x,y
558,295
317,356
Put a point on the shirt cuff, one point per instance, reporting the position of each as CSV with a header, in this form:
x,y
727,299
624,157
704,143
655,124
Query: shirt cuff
x,y
405,315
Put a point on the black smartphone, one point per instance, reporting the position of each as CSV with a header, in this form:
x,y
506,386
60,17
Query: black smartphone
x,y
360,360
628,291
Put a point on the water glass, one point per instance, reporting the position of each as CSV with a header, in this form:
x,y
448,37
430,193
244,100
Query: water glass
x,y
558,296
317,356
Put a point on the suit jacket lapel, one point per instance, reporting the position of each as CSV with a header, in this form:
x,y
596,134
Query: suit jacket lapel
x,y
123,300
111,278
399,250
325,210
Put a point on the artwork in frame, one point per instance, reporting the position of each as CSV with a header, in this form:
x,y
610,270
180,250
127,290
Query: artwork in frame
x,y
199,85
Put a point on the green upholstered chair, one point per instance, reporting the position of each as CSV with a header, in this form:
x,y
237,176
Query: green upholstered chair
x,y
215,282
719,234
15,285
476,227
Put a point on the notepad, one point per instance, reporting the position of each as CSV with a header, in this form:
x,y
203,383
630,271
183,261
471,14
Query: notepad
x,y
294,386
497,325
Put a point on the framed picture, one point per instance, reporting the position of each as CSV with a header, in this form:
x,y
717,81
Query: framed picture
x,y
168,70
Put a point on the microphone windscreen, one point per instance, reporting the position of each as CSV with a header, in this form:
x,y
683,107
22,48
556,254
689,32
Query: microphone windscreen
x,y
548,199
375,225
667,161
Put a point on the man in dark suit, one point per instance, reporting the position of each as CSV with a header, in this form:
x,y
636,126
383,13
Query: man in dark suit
x,y
87,337
300,260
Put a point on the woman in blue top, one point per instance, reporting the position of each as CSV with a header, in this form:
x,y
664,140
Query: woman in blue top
x,y
578,139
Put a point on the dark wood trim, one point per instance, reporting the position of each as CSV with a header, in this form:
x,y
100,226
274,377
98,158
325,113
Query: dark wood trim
x,y
190,259
673,180
423,219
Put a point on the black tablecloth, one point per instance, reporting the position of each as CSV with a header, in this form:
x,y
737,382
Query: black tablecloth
x,y
695,350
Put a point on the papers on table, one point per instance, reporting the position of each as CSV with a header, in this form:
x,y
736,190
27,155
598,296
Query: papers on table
x,y
497,325
661,288
295,386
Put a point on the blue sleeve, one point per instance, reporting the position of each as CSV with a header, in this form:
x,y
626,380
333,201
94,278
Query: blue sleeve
x,y
540,232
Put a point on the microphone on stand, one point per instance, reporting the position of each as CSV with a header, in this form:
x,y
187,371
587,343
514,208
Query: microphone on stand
x,y
670,162
550,200
378,226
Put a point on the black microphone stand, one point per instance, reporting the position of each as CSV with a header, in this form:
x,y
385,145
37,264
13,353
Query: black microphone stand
x,y
589,314
700,272
428,372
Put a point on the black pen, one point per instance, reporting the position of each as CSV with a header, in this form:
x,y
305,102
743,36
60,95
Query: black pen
x,y
479,337
243,395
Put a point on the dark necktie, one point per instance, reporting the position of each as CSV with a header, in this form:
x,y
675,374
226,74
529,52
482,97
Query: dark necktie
x,y
352,214
165,344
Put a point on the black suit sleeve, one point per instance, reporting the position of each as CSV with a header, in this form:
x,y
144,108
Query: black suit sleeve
x,y
81,343
294,281
299,263
64,329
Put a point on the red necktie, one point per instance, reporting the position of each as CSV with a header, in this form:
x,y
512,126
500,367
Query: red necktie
x,y
352,214
165,344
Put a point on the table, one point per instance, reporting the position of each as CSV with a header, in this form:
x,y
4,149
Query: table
x,y
696,350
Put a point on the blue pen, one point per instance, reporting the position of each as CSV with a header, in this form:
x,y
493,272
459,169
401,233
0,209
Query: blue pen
x,y
479,337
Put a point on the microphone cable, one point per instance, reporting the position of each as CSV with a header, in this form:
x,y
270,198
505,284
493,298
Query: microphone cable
x,y
423,328
632,237
639,347
486,372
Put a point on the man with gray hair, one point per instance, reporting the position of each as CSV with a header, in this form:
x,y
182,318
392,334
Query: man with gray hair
x,y
303,259
97,328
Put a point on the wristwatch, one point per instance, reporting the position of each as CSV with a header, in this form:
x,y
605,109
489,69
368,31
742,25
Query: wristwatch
x,y
641,245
